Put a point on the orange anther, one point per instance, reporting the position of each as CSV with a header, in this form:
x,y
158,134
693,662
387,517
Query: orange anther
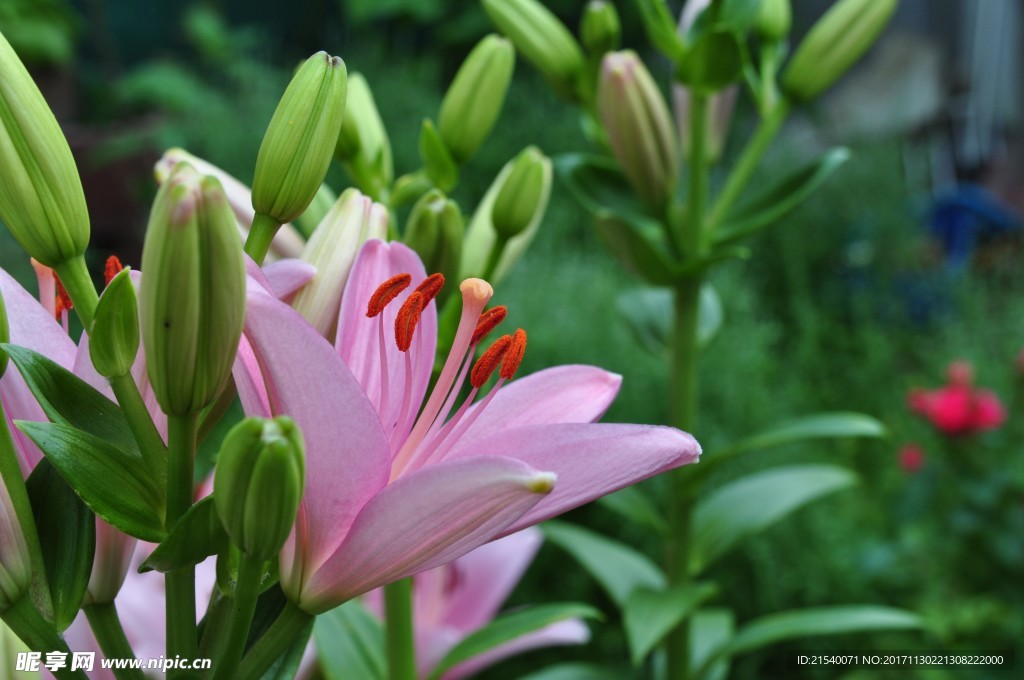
x,y
63,299
491,359
489,320
430,287
408,317
386,292
111,269
514,357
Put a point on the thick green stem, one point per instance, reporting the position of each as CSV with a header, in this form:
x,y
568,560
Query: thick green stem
x,y
274,643
398,628
106,626
697,196
180,584
151,444
22,618
747,163
261,234
10,474
74,275
247,591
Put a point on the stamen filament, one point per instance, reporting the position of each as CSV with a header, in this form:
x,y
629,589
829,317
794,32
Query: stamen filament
x,y
385,378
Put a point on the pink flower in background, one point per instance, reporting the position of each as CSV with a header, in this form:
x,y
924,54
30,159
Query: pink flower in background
x,y
911,457
958,408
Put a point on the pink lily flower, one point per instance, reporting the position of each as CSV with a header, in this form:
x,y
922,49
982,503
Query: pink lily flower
x,y
394,485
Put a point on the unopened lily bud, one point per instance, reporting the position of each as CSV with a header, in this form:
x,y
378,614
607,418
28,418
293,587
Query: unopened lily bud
x,y
435,230
301,139
193,292
41,198
541,38
352,221
774,19
15,569
5,336
636,118
600,30
473,102
522,194
323,201
260,478
114,337
834,44
363,145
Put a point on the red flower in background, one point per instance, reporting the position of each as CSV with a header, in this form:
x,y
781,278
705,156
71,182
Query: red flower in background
x,y
911,457
958,408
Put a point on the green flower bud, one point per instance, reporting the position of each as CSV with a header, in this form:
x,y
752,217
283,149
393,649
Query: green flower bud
x,y
41,198
774,19
193,292
523,192
640,132
473,102
300,139
542,39
114,338
258,484
5,336
363,145
15,568
323,201
434,230
834,44
600,30
351,221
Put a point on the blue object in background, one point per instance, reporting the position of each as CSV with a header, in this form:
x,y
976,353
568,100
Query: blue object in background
x,y
963,217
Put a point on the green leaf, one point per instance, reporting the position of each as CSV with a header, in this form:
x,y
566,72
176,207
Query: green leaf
x,y
287,665
67,535
196,536
350,643
438,163
114,484
510,626
772,204
648,315
633,504
660,26
755,502
574,671
709,630
617,567
638,248
66,398
713,62
649,614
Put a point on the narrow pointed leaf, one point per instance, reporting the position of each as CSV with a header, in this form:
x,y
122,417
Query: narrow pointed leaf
x,y
650,614
710,629
287,665
114,484
350,643
755,502
648,314
196,536
574,671
67,535
617,567
633,504
510,626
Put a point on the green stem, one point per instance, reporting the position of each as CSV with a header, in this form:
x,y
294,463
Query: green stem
x,y
261,234
215,624
697,196
748,162
74,275
275,642
398,628
27,623
151,444
106,626
10,473
180,584
247,591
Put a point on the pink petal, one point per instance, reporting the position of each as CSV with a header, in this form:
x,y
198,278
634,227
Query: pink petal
x,y
590,460
358,336
347,459
988,410
564,394
287,277
422,520
568,632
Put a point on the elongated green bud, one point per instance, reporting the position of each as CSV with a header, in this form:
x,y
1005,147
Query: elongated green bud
x,y
15,569
258,485
834,44
473,102
541,38
114,338
522,194
41,198
301,139
435,230
774,19
5,336
363,145
351,221
193,292
636,118
600,30
307,222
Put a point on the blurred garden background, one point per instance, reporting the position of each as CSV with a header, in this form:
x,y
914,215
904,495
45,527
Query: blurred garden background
x,y
910,258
